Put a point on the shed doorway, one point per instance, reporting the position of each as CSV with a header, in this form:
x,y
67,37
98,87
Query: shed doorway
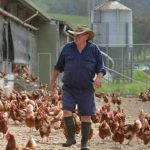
x,y
44,67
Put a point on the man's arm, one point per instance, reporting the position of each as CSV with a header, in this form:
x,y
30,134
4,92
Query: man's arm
x,y
52,85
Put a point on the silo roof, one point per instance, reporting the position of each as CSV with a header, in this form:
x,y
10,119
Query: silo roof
x,y
112,5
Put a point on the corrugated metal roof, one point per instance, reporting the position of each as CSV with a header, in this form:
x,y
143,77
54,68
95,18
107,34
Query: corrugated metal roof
x,y
33,7
43,15
112,5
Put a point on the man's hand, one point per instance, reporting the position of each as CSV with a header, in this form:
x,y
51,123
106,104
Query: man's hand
x,y
52,87
98,81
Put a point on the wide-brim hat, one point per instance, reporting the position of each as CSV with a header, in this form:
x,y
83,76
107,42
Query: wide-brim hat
x,y
82,30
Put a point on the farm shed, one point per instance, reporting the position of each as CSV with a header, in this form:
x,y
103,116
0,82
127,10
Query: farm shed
x,y
29,37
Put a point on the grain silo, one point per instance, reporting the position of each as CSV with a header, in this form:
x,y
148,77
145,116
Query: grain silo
x,y
112,24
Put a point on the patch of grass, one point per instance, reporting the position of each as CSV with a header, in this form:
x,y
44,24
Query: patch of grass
x,y
142,83
70,19
124,89
141,76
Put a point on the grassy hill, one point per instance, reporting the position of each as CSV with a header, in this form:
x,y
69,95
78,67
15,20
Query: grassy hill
x,y
80,7
60,9
72,20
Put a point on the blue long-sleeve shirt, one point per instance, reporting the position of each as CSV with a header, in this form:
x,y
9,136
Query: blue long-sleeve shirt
x,y
80,68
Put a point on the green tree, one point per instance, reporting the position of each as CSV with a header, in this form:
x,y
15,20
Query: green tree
x,y
141,29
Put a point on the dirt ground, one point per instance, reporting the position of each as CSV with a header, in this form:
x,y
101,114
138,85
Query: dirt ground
x,y
131,107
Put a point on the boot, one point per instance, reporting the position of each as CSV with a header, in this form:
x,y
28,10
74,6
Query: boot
x,y
85,129
71,131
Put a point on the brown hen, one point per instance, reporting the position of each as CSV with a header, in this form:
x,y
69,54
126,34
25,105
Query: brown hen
x,y
104,130
118,135
131,130
30,117
3,122
11,145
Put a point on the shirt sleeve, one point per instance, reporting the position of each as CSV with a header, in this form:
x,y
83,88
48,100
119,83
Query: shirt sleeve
x,y
100,68
60,62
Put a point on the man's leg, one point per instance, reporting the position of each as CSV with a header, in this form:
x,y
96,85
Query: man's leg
x,y
85,130
70,127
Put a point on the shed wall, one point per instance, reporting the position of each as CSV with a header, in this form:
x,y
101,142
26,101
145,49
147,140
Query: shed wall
x,y
47,46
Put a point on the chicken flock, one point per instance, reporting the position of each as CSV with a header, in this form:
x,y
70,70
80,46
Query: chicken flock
x,y
113,123
39,110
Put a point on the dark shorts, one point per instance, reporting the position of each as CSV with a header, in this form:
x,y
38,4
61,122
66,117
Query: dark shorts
x,y
83,100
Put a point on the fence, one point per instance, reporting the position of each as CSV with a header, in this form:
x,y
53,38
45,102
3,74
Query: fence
x,y
121,62
126,66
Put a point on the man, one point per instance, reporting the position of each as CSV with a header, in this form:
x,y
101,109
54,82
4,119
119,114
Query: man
x,y
80,60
